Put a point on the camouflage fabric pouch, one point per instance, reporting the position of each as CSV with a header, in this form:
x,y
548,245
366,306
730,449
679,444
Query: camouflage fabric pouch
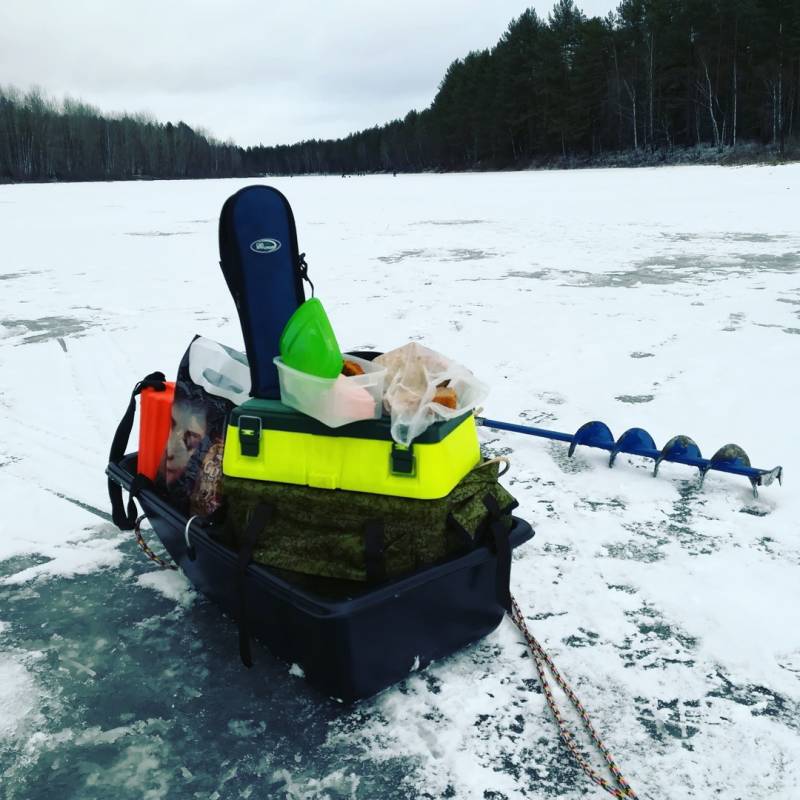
x,y
359,536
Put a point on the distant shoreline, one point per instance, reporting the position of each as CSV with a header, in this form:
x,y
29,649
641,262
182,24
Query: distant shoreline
x,y
739,156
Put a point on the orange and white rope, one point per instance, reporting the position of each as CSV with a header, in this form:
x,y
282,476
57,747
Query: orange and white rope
x,y
620,788
137,532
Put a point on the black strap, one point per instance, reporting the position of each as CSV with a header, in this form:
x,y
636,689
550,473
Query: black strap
x,y
303,266
502,547
259,519
125,520
374,555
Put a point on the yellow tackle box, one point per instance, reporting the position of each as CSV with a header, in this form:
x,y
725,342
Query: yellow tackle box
x,y
269,441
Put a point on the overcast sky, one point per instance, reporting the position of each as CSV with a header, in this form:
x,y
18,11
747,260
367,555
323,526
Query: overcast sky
x,y
254,71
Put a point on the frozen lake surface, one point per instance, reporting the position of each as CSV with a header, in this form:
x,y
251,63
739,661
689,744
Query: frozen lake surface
x,y
666,298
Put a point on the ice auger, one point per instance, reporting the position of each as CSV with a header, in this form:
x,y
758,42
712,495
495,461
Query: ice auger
x,y
638,442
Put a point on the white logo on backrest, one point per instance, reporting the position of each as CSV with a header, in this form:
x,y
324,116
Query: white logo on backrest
x,y
265,245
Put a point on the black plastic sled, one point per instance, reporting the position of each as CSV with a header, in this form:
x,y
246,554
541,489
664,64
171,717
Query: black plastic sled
x,y
350,641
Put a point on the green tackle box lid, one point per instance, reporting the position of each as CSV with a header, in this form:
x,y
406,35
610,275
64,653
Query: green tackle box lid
x,y
275,416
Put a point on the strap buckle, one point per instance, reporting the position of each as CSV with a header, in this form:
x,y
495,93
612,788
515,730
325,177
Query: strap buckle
x,y
402,461
250,435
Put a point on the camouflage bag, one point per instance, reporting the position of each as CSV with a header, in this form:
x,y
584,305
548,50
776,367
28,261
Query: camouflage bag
x,y
357,536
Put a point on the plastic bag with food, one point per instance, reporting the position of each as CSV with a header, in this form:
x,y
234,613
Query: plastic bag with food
x,y
423,387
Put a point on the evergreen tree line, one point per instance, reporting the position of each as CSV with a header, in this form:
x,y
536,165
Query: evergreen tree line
x,y
41,139
653,76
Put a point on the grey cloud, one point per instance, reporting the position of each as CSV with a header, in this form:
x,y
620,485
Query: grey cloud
x,y
252,71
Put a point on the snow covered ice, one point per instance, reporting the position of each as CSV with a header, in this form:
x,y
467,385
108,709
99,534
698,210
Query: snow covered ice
x,y
663,298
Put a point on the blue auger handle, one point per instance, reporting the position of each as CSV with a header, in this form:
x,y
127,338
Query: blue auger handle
x,y
680,449
529,429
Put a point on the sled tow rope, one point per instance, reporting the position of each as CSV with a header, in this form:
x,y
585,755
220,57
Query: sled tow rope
x,y
620,788
137,532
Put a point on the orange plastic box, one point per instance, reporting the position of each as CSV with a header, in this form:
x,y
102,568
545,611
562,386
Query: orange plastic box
x,y
155,421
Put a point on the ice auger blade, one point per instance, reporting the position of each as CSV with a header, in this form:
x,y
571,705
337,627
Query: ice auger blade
x,y
637,442
729,455
732,458
681,449
592,434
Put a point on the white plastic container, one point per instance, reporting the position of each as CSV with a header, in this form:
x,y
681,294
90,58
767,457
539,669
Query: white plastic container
x,y
334,401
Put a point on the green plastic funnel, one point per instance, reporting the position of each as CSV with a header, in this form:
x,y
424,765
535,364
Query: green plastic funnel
x,y
308,343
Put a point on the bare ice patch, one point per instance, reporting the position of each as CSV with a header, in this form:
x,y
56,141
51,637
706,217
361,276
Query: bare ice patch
x,y
684,268
11,276
402,255
451,254
735,321
537,417
725,236
467,254
159,233
566,463
46,328
635,398
552,398
451,222
17,564
18,696
540,274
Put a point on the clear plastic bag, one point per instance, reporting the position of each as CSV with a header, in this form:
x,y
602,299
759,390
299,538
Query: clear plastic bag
x,y
419,384
220,370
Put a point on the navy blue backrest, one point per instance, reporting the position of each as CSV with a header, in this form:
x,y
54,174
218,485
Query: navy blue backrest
x,y
261,263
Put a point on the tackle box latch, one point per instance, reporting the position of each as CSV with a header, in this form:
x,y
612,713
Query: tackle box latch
x,y
249,435
402,461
